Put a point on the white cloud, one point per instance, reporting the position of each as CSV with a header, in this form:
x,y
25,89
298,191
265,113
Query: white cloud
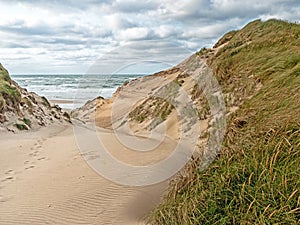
x,y
68,36
135,33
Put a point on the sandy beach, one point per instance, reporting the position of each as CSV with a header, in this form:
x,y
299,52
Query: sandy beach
x,y
45,180
46,175
55,102
51,174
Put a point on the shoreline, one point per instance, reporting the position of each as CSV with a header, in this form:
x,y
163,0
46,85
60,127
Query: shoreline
x,y
62,101
66,104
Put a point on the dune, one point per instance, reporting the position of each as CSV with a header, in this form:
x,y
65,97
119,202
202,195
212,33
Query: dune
x,y
50,172
46,177
54,173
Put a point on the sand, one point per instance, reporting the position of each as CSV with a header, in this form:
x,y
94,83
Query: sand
x,y
45,180
61,101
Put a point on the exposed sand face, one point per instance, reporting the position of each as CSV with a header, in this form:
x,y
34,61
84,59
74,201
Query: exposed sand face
x,y
44,179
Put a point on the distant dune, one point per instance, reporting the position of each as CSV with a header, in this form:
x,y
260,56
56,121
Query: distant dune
x,y
23,110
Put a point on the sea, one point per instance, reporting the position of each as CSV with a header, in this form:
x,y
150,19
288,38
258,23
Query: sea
x,y
72,91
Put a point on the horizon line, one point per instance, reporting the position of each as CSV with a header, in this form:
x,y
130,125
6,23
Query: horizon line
x,y
53,74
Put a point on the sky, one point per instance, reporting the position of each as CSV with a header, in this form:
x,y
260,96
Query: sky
x,y
126,36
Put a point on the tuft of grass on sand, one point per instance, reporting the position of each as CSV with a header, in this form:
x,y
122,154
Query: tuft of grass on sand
x,y
256,177
27,122
21,126
153,107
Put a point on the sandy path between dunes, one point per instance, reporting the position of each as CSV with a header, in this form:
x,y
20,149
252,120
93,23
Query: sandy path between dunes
x,y
44,180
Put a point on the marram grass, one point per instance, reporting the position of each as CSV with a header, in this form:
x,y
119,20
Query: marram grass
x,y
256,177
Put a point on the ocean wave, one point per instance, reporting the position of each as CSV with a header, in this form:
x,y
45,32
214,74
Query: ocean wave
x,y
70,87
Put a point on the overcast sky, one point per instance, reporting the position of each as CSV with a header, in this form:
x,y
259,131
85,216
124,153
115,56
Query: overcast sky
x,y
70,36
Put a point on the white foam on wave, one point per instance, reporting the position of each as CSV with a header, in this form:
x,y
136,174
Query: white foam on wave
x,y
78,88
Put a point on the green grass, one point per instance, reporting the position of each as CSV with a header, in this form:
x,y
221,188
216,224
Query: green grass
x,y
159,106
2,102
256,177
9,95
7,90
45,102
21,126
4,74
27,122
153,107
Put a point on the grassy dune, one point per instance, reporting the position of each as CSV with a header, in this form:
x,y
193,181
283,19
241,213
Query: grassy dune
x,y
22,110
256,177
9,95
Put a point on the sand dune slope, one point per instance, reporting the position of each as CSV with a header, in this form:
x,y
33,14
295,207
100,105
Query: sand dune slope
x,y
44,180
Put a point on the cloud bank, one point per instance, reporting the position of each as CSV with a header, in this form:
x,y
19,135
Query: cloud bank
x,y
70,36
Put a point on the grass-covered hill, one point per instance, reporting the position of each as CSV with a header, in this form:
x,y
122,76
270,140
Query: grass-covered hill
x,y
9,95
256,177
22,110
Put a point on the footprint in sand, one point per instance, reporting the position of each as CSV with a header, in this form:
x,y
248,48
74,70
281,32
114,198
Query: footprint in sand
x,y
27,162
2,199
34,153
9,172
37,147
29,167
8,178
42,158
39,143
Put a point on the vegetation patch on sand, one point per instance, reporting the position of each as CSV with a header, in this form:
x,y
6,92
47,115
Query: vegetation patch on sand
x,y
256,177
152,107
9,94
23,110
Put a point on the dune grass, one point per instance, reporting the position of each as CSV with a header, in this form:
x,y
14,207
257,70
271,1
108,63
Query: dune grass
x,y
256,177
4,74
9,95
